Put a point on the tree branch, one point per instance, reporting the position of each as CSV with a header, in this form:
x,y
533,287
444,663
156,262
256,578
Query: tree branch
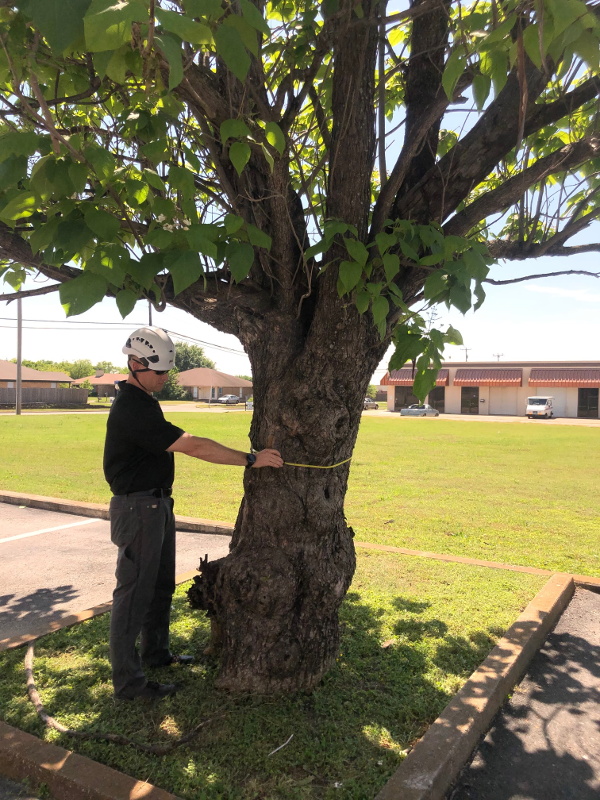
x,y
29,293
511,190
544,275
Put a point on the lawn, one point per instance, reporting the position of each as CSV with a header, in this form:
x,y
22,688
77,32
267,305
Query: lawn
x,y
413,631
521,494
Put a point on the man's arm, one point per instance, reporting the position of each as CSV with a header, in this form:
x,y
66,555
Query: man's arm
x,y
209,450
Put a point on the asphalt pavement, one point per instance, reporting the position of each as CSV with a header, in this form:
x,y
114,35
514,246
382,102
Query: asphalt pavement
x,y
545,743
55,564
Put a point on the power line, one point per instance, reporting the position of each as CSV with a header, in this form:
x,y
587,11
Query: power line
x,y
75,325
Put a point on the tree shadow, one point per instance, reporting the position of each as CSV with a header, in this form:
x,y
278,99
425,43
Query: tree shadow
x,y
543,745
31,613
349,734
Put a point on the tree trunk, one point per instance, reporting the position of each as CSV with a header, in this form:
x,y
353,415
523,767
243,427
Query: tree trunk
x,y
274,600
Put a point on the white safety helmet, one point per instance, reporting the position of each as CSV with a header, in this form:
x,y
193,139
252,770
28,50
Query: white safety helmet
x,y
153,347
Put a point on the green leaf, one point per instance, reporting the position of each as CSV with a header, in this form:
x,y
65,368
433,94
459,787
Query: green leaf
x,y
22,204
231,49
43,234
107,23
239,257
254,17
81,293
182,179
185,270
380,309
258,238
212,9
357,250
247,33
18,143
233,223
72,235
350,274
436,285
455,67
184,27
59,21
481,89
385,240
452,336
144,270
102,161
391,265
233,129
200,242
460,297
424,383
565,12
103,224
408,250
363,300
275,137
171,49
126,300
12,170
239,155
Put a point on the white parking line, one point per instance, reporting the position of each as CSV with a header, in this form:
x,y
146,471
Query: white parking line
x,y
49,530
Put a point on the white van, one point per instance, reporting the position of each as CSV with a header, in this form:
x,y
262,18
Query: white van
x,y
539,406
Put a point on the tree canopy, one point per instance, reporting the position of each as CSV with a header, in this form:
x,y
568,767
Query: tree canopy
x,y
181,150
190,356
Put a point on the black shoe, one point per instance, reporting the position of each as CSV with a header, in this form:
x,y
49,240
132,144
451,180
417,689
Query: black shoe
x,y
151,691
185,661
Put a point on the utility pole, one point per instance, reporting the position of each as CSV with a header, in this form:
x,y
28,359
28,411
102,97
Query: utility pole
x,y
497,356
149,313
19,356
467,350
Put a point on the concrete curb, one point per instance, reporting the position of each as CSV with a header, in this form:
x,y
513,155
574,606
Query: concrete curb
x,y
433,764
100,511
67,775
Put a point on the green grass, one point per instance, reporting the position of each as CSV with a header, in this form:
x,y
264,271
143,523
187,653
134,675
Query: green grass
x,y
413,630
521,494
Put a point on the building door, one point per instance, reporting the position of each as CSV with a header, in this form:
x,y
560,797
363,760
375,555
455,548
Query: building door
x,y
587,403
469,400
437,398
403,397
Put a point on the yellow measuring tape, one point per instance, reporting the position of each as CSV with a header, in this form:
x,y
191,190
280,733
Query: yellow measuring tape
x,y
318,466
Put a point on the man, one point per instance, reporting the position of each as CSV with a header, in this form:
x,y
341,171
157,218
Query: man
x,y
139,467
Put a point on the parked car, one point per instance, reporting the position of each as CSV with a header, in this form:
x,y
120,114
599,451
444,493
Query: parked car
x,y
230,399
368,403
417,410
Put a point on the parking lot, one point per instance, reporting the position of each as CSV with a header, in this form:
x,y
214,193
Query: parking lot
x,y
54,564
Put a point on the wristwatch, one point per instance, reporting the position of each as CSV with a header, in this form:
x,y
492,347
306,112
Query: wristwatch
x,y
250,459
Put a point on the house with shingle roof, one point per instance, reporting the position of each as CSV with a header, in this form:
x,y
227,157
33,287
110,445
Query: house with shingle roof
x,y
30,378
104,385
502,388
208,384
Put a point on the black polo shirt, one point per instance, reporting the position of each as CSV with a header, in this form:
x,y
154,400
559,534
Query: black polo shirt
x,y
137,438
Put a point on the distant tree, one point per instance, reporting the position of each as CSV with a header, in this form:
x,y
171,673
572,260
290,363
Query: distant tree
x,y
371,391
190,356
87,385
76,369
108,367
172,390
244,377
42,366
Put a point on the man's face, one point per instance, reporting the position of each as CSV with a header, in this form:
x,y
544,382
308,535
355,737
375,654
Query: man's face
x,y
150,381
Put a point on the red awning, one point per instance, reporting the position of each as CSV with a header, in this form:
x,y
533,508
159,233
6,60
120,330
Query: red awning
x,y
406,377
488,377
583,377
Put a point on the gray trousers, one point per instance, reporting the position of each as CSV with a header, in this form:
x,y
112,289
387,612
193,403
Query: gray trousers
x,y
143,528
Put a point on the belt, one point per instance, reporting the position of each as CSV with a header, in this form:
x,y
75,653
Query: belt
x,y
151,493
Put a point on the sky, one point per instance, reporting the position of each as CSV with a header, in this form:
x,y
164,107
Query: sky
x,y
550,319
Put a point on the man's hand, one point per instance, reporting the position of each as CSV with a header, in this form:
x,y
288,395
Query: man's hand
x,y
268,458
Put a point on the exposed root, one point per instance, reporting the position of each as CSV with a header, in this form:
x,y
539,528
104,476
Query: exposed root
x,y
155,749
